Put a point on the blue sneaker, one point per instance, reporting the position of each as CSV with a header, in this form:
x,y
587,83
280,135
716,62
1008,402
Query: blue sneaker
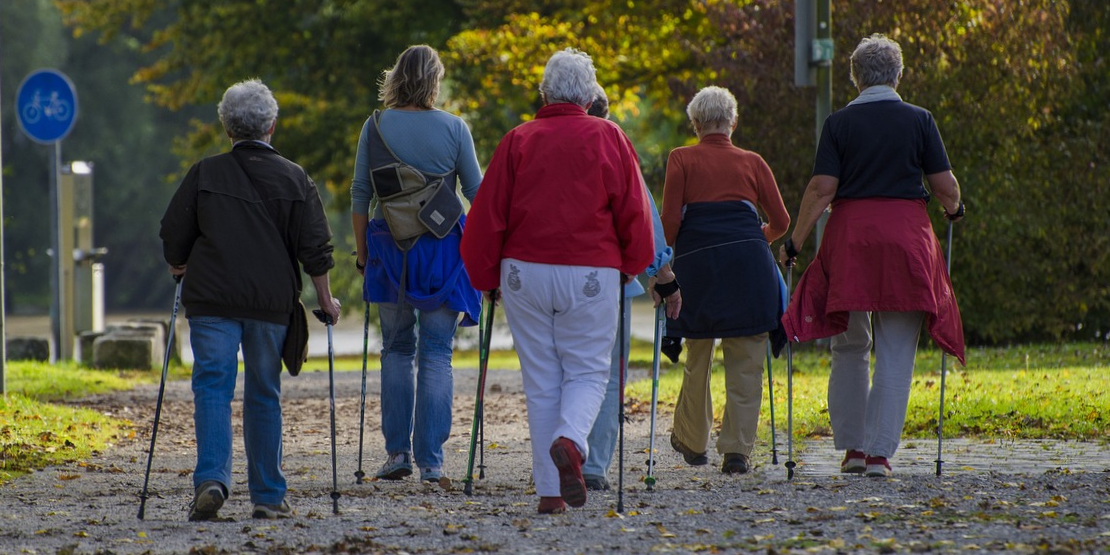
x,y
396,467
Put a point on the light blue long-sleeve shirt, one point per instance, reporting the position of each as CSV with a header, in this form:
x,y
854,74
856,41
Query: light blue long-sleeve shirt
x,y
433,141
663,253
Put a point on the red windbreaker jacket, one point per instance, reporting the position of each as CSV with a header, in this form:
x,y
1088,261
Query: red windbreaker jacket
x,y
563,189
877,254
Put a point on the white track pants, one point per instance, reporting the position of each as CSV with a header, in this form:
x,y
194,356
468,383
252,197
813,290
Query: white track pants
x,y
564,322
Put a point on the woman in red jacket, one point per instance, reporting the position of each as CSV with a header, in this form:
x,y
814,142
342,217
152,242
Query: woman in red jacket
x,y
559,220
879,272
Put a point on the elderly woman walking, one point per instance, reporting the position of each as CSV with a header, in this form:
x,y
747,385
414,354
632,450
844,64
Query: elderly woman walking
x,y
712,197
421,293
603,437
879,272
560,220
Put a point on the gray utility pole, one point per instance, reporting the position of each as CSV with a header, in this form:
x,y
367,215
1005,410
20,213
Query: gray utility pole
x,y
813,57
3,331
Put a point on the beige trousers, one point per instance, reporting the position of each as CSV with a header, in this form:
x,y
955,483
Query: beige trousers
x,y
693,414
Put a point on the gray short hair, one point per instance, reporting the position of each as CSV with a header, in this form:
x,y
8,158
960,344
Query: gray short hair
x,y
876,61
713,108
569,77
248,110
599,106
414,80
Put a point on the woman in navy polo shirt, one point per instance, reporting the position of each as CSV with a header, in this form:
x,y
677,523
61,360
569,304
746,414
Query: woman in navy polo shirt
x,y
880,272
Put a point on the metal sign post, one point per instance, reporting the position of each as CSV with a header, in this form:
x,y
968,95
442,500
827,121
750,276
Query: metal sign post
x,y
46,105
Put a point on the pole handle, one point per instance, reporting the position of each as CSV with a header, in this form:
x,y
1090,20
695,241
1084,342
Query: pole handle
x,y
322,316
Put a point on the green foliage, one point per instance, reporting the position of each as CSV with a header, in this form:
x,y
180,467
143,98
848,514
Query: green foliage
x,y
637,48
1026,392
126,139
1018,90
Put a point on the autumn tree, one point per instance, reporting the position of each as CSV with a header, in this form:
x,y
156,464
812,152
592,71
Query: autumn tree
x,y
1018,90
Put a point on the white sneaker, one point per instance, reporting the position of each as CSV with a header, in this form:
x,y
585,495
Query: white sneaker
x,y
877,467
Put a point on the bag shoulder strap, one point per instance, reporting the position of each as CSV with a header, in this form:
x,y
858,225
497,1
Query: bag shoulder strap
x,y
290,250
376,118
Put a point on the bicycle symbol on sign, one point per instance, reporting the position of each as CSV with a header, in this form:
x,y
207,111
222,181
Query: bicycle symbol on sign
x,y
55,108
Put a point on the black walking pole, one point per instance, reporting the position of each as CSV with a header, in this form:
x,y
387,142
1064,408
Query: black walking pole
x,y
660,322
161,395
359,474
622,325
943,363
790,464
485,337
326,319
771,398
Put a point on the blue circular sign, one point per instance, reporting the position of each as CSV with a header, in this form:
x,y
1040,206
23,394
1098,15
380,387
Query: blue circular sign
x,y
47,105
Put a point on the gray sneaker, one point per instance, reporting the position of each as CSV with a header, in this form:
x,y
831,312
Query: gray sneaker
x,y
397,466
262,510
207,500
596,483
431,474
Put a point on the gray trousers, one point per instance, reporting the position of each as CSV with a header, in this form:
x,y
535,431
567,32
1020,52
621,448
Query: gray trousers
x,y
867,413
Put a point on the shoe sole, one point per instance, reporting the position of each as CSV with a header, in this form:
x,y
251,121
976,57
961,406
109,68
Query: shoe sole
x,y
553,510
853,467
877,471
395,474
691,458
571,485
268,514
207,504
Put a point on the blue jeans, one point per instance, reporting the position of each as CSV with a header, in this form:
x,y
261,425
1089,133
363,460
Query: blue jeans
x,y
216,344
425,402
603,436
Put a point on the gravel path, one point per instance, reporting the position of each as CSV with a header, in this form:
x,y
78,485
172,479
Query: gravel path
x,y
1016,497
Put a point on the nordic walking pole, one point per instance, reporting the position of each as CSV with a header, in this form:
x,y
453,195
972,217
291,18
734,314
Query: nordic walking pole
x,y
659,323
326,319
943,363
161,395
790,464
359,474
484,364
771,398
485,337
622,325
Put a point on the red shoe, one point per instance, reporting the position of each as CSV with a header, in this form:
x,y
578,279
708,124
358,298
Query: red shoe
x,y
877,467
855,462
565,455
552,506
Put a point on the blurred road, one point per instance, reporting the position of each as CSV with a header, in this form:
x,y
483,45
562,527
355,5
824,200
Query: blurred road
x,y
347,334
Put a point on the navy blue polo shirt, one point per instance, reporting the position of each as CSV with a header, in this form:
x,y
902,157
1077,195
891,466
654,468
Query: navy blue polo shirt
x,y
880,149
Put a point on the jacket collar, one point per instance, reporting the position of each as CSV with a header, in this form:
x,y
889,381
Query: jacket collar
x,y
560,109
254,145
716,139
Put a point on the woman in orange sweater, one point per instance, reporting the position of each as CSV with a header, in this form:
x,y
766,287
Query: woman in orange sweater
x,y
712,197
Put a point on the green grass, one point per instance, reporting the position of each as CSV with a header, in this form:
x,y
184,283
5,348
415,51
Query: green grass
x,y
35,433
1026,392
